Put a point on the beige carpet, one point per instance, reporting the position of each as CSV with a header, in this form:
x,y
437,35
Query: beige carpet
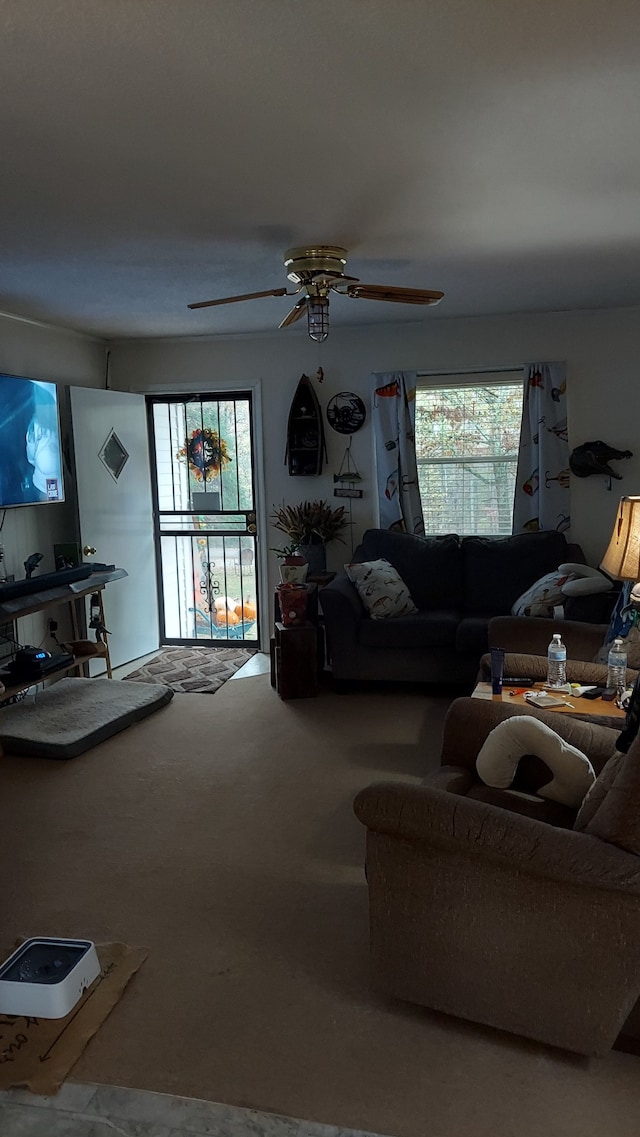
x,y
219,834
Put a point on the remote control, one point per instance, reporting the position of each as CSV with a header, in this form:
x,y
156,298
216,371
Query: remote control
x,y
518,682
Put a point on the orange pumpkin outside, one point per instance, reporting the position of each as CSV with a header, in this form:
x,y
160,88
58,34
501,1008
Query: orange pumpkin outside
x,y
228,618
246,611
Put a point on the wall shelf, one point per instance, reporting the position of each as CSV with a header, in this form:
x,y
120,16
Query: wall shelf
x,y
305,435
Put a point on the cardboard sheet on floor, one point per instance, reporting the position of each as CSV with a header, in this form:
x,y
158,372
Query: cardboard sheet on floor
x,y
39,1053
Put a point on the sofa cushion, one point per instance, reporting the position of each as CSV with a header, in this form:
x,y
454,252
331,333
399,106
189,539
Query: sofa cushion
x,y
472,635
530,805
381,589
431,567
599,790
498,569
617,818
424,629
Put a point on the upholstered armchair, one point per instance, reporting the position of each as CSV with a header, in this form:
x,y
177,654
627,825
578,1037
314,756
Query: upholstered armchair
x,y
502,913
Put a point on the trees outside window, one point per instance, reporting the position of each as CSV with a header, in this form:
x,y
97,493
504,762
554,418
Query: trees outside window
x,y
467,438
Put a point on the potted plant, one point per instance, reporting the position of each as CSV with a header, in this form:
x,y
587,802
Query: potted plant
x,y
294,567
310,526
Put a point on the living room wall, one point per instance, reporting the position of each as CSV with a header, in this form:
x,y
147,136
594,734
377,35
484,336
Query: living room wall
x,y
43,352
601,348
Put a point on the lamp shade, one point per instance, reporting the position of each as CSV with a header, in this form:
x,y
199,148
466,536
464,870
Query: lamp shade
x,y
622,558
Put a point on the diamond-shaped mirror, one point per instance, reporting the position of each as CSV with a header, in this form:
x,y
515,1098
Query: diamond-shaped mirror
x,y
113,455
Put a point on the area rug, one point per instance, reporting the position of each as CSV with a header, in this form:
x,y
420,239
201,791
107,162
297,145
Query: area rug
x,y
193,669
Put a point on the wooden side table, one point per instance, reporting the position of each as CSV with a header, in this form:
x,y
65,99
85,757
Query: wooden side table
x,y
294,660
597,710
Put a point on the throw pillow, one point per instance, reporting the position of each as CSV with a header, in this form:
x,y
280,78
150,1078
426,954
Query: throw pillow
x,y
507,743
543,596
567,580
381,589
617,818
582,580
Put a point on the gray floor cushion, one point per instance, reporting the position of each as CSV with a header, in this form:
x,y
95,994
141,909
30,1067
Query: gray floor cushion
x,y
75,714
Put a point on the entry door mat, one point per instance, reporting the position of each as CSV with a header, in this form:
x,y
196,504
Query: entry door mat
x,y
39,1053
189,670
73,715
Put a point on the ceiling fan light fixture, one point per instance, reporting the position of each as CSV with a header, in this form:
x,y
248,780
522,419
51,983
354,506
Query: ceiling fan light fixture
x,y
318,318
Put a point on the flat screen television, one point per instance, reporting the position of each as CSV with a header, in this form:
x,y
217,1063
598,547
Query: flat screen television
x,y
30,450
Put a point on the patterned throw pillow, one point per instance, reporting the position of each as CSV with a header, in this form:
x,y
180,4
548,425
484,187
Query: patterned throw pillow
x,y
381,589
543,596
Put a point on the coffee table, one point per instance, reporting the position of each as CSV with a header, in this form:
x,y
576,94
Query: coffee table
x,y
596,710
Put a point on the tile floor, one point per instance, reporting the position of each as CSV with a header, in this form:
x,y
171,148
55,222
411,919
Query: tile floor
x,y
84,1110
259,664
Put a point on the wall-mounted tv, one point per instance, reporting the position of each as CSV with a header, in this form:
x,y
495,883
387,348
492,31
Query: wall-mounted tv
x,y
30,451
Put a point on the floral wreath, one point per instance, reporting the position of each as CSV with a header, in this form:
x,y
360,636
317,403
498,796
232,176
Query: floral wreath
x,y
205,452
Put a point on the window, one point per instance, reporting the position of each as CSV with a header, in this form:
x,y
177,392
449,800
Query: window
x,y
467,439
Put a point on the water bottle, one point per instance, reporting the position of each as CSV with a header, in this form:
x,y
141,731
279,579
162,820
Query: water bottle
x,y
556,662
617,670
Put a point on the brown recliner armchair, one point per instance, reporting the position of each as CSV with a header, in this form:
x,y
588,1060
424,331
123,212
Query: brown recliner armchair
x,y
477,910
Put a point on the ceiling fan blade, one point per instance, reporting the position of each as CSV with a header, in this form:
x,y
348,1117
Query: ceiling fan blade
x,y
397,295
296,312
246,296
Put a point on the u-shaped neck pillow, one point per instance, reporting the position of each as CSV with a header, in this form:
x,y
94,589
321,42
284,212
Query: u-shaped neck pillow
x,y
508,742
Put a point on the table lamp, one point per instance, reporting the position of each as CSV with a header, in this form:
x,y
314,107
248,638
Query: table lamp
x,y
622,558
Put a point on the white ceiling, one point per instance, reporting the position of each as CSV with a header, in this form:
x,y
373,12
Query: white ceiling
x,y
157,152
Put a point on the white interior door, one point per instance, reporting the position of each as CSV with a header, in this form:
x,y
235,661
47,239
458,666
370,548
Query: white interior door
x,y
111,450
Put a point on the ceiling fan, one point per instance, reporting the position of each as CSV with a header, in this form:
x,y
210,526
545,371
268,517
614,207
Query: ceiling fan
x,y
318,271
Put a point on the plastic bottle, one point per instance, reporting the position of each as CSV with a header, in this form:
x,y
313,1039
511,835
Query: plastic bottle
x,y
617,661
556,662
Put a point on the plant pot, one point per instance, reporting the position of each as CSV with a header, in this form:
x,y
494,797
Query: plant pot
x,y
316,556
294,574
293,569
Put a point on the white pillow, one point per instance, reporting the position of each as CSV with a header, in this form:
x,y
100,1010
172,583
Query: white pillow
x,y
541,598
504,746
381,589
582,580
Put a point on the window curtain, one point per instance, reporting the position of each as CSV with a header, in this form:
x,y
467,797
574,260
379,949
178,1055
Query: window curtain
x,y
542,481
394,418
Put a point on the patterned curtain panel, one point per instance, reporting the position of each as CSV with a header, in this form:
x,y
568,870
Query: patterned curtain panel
x,y
542,499
394,418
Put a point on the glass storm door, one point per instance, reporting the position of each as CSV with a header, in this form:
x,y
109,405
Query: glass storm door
x,y
205,519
